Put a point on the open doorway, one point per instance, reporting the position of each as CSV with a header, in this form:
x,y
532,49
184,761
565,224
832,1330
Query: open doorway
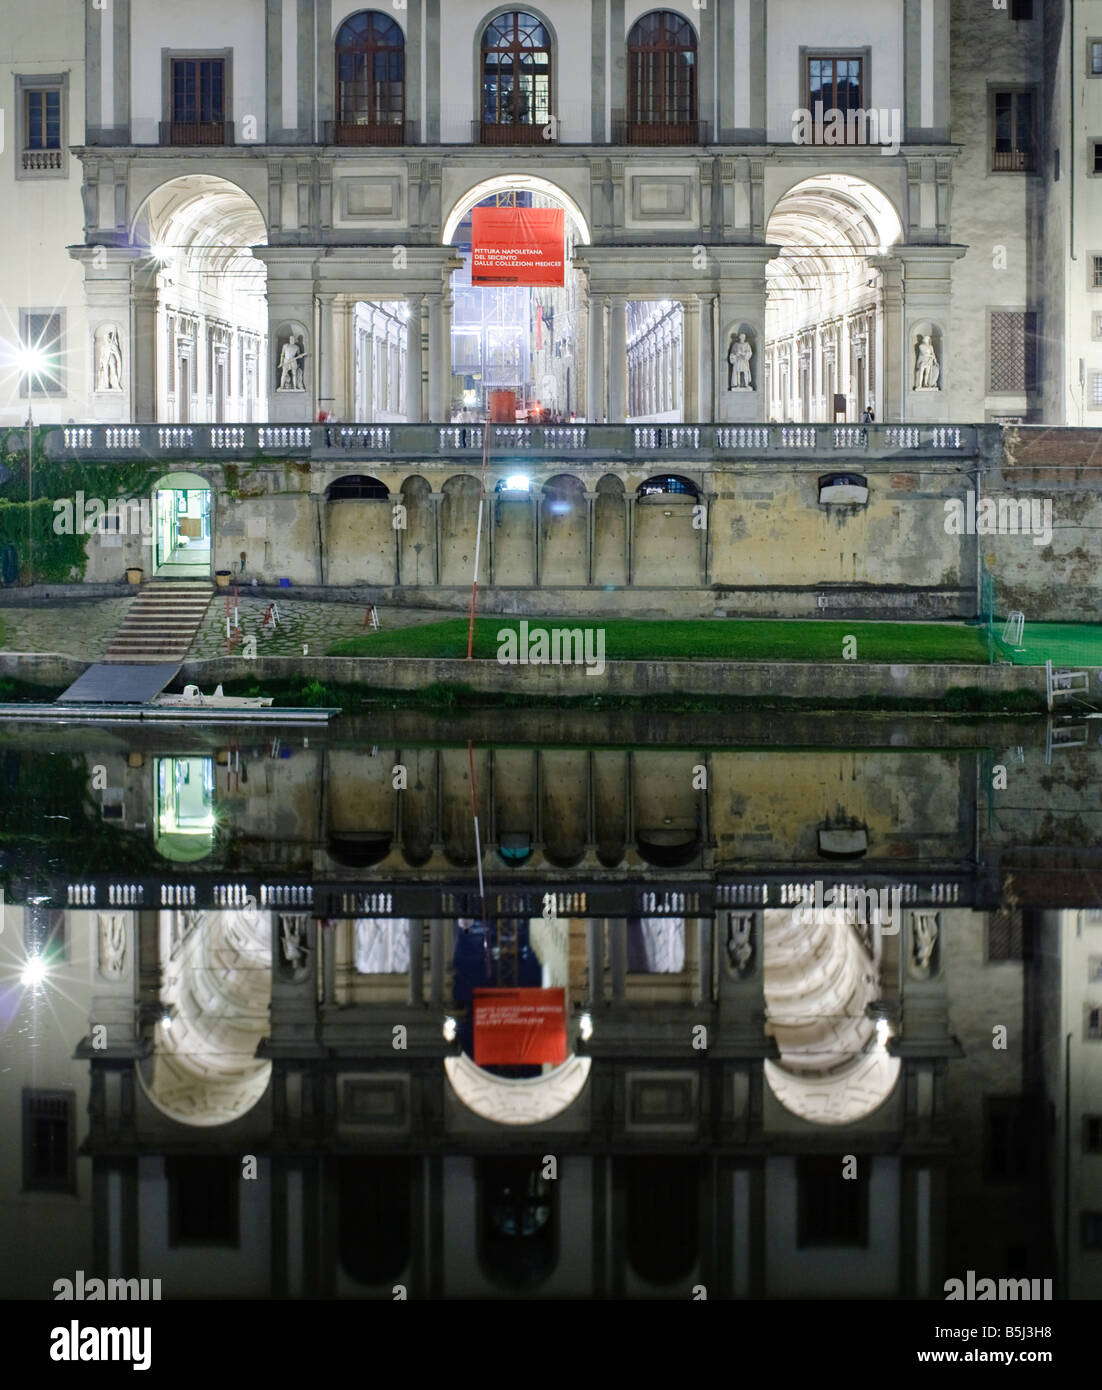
x,y
182,527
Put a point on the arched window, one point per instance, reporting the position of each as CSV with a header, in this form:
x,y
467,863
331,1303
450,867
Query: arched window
x,y
371,81
516,80
517,1226
355,487
662,81
670,483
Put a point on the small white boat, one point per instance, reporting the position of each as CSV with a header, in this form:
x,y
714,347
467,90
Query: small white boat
x,y
193,698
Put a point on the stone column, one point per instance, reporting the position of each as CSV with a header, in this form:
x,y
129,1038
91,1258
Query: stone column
x,y
629,535
892,364
416,961
537,500
595,365
143,341
436,357
690,356
414,405
590,532
367,366
395,498
617,358
326,364
705,539
707,368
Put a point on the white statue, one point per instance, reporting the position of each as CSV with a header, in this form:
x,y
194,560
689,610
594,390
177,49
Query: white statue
x,y
738,364
109,366
290,365
296,949
924,939
112,944
739,944
927,370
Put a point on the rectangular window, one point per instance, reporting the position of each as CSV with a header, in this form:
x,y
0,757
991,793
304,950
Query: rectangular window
x,y
1092,1134
1014,135
1004,935
202,1201
41,113
43,119
1008,1127
836,82
833,1210
1092,1230
1094,1020
1094,58
41,333
1094,390
1012,351
49,1152
197,101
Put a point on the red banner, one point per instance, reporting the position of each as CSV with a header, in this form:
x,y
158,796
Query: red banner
x,y
519,1027
518,246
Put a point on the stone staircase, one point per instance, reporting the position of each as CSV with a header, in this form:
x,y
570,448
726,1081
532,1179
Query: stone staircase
x,y
161,623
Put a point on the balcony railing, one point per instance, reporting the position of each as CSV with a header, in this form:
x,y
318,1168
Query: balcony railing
x,y
195,132
369,132
35,161
513,133
584,442
626,132
1013,162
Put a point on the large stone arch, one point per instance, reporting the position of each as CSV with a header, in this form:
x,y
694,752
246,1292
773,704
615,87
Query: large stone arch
x,y
509,1102
503,183
417,539
359,531
215,996
609,533
825,332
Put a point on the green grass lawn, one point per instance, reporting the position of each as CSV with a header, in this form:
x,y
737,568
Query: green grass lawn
x,y
631,639
1064,644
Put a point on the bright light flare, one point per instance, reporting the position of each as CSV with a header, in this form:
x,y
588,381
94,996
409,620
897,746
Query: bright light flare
x,y
34,972
517,482
585,1027
450,1029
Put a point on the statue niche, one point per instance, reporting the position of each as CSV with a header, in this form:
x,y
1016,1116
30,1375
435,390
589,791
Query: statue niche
x,y
108,358
291,357
927,358
740,356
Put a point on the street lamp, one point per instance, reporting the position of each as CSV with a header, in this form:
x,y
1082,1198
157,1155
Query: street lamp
x,y
33,362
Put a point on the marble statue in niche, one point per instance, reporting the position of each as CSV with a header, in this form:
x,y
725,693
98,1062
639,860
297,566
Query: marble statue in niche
x,y
109,362
739,356
927,367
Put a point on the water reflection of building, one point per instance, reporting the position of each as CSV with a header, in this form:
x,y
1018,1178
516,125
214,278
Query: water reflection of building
x,y
675,1165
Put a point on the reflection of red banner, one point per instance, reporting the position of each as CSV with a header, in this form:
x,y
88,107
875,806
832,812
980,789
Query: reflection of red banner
x,y
518,246
519,1027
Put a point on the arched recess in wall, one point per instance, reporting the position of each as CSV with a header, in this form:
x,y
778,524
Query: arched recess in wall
x,y
359,531
417,538
662,1216
824,308
182,515
216,972
375,1217
564,544
518,1222
609,533
667,547
564,789
458,526
361,805
821,979
668,809
211,316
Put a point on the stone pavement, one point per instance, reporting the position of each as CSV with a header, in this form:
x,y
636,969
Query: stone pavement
x,y
76,628
308,623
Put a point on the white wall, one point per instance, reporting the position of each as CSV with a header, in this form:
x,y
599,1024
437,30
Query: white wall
x,y
39,217
824,1272
200,24
874,24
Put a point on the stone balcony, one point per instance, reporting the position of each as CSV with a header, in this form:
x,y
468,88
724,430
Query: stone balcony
x,y
578,443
